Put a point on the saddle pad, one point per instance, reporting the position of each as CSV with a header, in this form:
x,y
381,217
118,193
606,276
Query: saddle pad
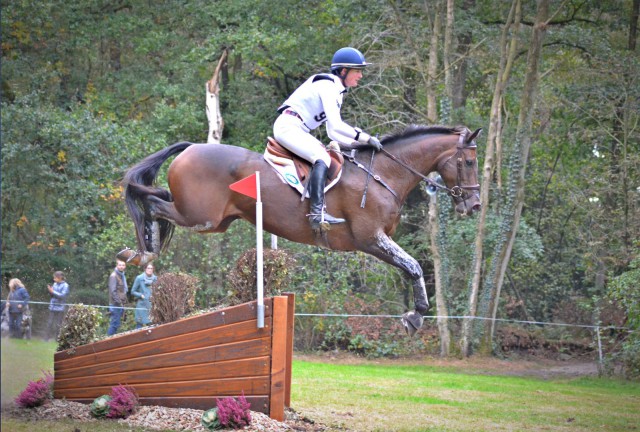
x,y
288,169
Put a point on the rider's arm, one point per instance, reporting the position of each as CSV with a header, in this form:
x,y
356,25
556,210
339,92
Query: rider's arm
x,y
338,130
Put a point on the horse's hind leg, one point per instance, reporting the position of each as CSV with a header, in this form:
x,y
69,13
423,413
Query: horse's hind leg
x,y
388,251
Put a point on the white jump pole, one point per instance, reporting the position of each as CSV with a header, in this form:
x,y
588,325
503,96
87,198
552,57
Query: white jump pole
x,y
259,259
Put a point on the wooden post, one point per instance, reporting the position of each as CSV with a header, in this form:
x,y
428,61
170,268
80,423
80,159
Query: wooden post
x,y
278,358
291,308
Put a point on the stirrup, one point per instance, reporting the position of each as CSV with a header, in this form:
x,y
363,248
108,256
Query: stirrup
x,y
323,221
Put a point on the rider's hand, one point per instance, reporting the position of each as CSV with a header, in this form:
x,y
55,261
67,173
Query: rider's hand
x,y
334,146
375,143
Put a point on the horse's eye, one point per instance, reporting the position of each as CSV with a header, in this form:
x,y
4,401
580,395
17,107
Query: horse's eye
x,y
469,163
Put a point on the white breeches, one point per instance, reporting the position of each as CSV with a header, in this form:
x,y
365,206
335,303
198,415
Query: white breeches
x,y
291,132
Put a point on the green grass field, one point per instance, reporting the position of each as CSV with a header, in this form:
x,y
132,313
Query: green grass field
x,y
394,397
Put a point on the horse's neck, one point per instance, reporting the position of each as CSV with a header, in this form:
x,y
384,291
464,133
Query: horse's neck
x,y
424,154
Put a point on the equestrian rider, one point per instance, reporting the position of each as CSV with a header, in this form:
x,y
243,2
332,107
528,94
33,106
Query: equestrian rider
x,y
316,101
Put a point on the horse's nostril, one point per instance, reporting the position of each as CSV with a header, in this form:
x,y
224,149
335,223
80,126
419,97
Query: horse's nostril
x,y
476,207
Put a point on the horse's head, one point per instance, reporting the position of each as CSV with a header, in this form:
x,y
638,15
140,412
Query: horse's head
x,y
460,173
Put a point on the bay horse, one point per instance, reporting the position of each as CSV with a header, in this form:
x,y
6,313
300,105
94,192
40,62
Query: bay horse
x,y
199,197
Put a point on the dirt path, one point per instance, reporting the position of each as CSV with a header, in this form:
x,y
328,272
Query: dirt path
x,y
542,368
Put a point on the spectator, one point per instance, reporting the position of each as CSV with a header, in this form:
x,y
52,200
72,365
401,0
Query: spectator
x,y
141,291
57,305
117,296
17,302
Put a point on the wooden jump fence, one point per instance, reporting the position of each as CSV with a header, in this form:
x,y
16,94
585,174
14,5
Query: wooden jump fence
x,y
191,362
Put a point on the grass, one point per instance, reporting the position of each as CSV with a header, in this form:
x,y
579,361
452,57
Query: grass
x,y
394,397
423,398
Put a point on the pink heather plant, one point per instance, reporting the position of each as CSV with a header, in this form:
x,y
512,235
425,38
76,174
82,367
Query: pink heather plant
x,y
234,413
37,392
123,403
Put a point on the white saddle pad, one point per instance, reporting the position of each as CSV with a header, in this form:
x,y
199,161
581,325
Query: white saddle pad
x,y
289,175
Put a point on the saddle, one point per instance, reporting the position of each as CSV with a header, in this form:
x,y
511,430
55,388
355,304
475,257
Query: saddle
x,y
276,155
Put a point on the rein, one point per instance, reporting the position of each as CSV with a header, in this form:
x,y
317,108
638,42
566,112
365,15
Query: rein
x,y
455,191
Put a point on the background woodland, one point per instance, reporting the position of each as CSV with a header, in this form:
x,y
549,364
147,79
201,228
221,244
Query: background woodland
x,y
89,88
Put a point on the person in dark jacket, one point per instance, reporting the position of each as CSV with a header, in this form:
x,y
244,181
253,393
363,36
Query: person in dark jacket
x,y
57,304
18,303
117,296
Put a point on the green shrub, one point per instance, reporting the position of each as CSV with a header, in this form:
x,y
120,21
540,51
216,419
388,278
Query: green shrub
x,y
79,327
173,297
277,266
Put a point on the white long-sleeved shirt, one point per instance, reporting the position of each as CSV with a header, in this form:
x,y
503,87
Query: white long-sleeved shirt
x,y
318,100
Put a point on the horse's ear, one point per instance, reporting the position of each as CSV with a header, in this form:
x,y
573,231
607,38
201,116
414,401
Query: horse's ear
x,y
474,135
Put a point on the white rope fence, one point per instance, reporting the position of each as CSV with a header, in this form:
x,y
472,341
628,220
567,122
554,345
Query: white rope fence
x,y
597,328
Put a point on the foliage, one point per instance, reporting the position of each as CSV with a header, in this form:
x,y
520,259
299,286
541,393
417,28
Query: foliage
x,y
79,327
123,403
80,104
210,419
234,413
625,291
37,392
100,406
173,297
370,336
277,268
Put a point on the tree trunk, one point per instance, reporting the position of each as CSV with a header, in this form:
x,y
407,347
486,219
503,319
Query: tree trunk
x,y
432,71
214,115
508,52
633,25
515,198
441,303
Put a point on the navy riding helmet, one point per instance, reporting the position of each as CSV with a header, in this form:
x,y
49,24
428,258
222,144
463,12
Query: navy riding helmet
x,y
349,58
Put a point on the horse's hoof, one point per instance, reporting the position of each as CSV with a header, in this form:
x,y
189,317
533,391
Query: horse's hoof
x,y
137,258
412,321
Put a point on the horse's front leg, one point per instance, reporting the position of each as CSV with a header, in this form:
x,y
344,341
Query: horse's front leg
x,y
388,251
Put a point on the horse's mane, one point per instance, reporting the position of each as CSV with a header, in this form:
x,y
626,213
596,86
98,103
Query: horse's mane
x,y
416,130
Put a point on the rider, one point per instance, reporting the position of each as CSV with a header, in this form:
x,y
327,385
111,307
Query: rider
x,y
316,101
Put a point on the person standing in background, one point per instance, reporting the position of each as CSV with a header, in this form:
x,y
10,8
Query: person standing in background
x,y
57,305
141,291
17,302
117,296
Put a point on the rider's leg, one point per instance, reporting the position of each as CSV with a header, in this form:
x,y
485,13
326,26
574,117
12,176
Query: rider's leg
x,y
294,136
317,214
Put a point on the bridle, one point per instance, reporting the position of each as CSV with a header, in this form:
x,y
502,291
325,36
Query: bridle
x,y
459,192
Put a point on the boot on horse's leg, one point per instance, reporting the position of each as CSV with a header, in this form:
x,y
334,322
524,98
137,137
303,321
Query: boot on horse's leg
x,y
137,258
152,241
318,218
412,321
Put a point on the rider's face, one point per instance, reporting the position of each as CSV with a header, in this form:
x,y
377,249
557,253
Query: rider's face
x,y
352,77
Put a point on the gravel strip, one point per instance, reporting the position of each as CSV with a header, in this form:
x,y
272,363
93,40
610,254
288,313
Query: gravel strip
x,y
159,418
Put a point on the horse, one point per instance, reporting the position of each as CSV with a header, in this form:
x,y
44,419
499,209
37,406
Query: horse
x,y
199,197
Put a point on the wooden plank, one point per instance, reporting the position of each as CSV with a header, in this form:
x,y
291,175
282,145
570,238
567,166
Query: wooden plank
x,y
232,351
258,403
185,326
190,362
278,359
259,366
291,308
237,332
220,387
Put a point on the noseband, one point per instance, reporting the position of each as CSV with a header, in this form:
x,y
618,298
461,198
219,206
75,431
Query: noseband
x,y
459,192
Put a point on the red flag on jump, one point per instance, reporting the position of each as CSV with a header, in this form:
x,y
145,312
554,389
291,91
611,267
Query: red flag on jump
x,y
247,186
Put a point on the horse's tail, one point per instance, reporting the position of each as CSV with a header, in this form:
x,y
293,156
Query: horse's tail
x,y
138,183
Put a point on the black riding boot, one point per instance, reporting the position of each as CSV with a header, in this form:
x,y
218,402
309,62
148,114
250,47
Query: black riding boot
x,y
317,215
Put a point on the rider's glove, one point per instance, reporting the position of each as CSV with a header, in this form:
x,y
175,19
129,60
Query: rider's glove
x,y
334,146
375,143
